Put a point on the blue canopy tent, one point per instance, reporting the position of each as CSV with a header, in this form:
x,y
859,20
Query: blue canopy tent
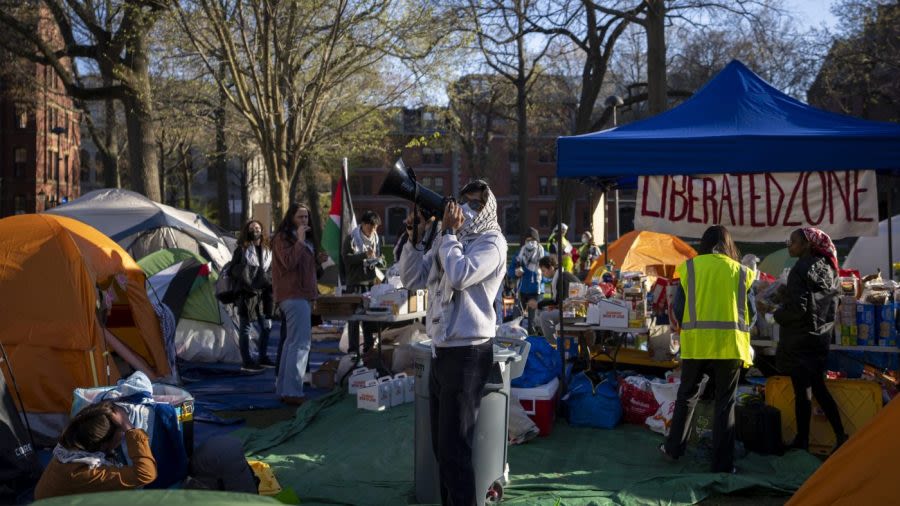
x,y
737,123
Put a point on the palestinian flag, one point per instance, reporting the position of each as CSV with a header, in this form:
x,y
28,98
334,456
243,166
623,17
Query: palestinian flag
x,y
341,221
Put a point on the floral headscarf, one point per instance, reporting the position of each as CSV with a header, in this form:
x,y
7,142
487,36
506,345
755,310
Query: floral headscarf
x,y
821,245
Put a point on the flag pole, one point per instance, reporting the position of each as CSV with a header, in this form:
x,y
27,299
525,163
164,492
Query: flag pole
x,y
342,187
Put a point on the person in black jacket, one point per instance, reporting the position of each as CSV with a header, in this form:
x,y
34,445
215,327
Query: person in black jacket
x,y
251,265
363,261
806,317
549,318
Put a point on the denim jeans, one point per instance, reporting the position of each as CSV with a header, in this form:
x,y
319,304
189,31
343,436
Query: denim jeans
x,y
295,354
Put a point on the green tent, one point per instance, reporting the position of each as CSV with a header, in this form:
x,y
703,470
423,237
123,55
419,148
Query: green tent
x,y
775,263
166,266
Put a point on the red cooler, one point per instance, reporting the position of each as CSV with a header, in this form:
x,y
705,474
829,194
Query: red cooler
x,y
539,404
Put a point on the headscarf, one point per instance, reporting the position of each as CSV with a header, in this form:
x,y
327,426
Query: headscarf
x,y
484,221
821,245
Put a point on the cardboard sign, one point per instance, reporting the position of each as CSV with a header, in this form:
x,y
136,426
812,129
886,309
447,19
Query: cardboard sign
x,y
764,207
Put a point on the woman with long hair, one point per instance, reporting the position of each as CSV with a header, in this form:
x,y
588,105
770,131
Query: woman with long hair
x,y
251,266
83,459
806,317
295,270
714,311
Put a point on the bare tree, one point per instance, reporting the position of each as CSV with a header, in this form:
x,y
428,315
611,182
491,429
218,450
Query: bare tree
x,y
504,39
293,68
480,105
110,35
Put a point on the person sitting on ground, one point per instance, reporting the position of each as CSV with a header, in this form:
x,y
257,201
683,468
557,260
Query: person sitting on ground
x,y
83,459
549,318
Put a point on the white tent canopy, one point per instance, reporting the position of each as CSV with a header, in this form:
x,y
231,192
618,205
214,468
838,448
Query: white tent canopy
x,y
871,253
143,226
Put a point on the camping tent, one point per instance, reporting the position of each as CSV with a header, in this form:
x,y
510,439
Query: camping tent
x,y
206,332
635,251
860,471
50,270
776,262
142,226
870,253
736,123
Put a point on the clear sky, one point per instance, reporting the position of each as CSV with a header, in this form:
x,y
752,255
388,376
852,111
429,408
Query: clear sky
x,y
812,13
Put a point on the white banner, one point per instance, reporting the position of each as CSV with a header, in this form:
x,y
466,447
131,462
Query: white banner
x,y
763,207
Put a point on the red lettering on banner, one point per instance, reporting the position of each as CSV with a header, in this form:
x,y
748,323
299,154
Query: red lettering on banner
x,y
740,179
644,192
789,209
726,196
807,196
753,198
662,198
856,192
772,216
691,200
709,196
679,194
842,191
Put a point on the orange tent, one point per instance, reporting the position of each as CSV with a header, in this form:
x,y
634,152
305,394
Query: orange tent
x,y
638,250
50,269
862,470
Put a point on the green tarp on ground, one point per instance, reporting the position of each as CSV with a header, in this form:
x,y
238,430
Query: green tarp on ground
x,y
332,453
158,498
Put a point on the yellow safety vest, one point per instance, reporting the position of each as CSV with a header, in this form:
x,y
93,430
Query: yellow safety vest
x,y
716,321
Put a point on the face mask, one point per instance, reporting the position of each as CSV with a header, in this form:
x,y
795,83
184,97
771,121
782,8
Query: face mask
x,y
255,234
585,239
468,212
530,244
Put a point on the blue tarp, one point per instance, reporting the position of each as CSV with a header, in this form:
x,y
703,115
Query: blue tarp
x,y
737,123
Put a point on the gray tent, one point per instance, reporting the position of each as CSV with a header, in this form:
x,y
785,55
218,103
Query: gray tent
x,y
142,226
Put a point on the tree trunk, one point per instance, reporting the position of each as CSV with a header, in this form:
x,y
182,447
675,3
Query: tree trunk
x,y
186,175
110,156
280,192
312,197
245,192
522,125
220,162
656,56
138,102
162,172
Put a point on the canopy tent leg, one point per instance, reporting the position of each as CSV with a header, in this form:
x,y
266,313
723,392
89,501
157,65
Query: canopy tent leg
x,y
564,384
890,227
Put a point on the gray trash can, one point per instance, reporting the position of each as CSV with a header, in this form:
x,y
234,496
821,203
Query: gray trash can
x,y
490,444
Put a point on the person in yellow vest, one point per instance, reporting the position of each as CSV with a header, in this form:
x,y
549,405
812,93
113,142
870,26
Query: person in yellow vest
x,y
715,311
568,262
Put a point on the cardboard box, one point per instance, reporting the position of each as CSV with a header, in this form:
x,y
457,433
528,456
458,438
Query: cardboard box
x,y
395,301
613,313
359,378
398,389
416,301
375,395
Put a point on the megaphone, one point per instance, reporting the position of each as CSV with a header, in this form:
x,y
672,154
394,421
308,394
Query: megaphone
x,y
401,182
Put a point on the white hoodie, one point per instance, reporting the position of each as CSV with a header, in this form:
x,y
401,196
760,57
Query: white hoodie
x,y
461,301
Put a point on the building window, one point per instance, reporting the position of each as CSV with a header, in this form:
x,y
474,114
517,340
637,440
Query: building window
x,y
21,117
427,182
543,218
543,186
395,218
439,185
432,156
20,159
19,203
48,165
554,185
510,220
547,154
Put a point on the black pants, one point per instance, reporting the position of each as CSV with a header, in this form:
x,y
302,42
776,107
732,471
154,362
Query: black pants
x,y
261,310
810,379
725,375
369,329
458,376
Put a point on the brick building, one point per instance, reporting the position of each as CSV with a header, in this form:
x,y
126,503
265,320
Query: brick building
x,y
441,166
39,142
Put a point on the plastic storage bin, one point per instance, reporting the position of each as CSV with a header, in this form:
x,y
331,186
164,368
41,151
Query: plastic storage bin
x,y
539,404
858,402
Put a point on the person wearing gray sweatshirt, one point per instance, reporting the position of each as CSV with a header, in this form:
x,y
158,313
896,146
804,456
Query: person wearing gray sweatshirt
x,y
463,271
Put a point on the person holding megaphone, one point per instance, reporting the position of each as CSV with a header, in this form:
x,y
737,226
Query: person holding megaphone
x,y
463,271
